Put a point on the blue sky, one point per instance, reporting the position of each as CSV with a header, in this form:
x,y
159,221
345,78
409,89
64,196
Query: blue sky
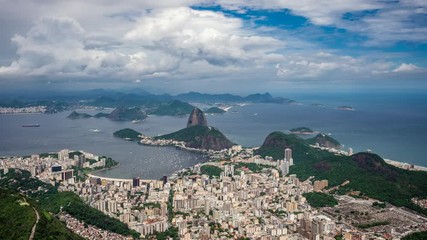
x,y
214,46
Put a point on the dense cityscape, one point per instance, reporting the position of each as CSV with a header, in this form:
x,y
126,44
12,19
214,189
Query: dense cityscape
x,y
245,196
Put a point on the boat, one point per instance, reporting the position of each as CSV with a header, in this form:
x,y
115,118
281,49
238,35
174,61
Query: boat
x,y
96,130
31,125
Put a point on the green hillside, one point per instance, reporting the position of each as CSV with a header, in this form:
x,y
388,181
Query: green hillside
x,y
127,114
367,172
128,134
276,142
49,199
200,137
17,218
324,141
214,110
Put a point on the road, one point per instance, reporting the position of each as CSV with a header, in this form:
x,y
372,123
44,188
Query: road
x,y
33,231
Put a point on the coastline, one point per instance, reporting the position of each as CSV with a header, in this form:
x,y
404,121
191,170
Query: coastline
x,y
406,166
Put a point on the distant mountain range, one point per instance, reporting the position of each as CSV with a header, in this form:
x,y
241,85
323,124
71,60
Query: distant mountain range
x,y
136,98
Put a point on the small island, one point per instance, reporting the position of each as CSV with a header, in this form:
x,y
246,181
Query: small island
x,y
118,114
128,134
215,110
346,108
302,131
76,115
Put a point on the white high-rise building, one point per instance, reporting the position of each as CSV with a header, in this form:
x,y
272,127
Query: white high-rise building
x,y
63,154
288,156
284,167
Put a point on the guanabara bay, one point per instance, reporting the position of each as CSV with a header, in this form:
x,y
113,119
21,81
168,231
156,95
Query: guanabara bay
x,y
244,120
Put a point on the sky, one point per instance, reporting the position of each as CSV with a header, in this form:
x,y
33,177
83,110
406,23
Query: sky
x,y
213,45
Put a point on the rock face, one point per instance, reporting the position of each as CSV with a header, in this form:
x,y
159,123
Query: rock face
x,y
197,118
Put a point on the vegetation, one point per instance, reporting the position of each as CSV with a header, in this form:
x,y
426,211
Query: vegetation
x,y
212,171
317,199
172,232
45,155
378,204
76,115
416,236
109,162
128,134
301,130
51,200
174,108
324,141
127,114
200,137
214,110
256,168
17,218
367,173
372,224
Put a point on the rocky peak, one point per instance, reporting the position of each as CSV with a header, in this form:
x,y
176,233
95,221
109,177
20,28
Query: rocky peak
x,y
197,118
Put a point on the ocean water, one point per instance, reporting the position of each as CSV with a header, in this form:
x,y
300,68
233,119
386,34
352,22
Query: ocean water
x,y
393,125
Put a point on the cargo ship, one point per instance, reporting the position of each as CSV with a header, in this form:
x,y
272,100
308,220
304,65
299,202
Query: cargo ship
x,y
31,125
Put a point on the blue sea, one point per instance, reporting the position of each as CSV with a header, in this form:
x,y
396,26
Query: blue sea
x,y
393,125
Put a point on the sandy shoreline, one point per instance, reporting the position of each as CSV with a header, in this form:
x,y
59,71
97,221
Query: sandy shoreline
x,y
406,166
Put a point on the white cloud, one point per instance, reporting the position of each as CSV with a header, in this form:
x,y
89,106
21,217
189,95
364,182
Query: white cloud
x,y
406,67
200,36
161,42
323,65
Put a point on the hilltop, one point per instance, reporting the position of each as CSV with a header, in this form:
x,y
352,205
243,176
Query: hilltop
x,y
367,172
200,137
324,140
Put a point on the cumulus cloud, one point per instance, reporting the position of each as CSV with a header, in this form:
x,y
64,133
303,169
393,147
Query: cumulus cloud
x,y
201,36
320,65
406,67
57,46
159,43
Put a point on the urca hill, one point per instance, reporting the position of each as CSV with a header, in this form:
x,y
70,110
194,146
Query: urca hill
x,y
199,135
